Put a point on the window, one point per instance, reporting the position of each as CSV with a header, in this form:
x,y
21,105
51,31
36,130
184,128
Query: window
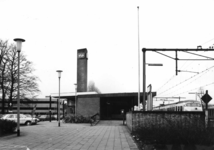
x,y
22,116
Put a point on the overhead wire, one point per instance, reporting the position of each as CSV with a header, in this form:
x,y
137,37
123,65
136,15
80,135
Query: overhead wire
x,y
186,80
197,77
174,75
171,77
181,68
189,82
208,41
194,89
166,82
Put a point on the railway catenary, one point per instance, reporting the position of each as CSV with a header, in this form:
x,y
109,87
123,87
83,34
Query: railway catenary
x,y
187,105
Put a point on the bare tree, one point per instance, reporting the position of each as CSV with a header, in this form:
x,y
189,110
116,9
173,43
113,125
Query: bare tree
x,y
4,52
92,87
9,75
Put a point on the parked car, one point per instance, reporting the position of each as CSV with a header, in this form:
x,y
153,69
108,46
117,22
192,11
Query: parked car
x,y
37,119
46,117
42,117
1,116
23,119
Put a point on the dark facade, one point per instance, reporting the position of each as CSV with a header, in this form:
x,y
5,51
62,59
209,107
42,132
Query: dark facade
x,y
82,70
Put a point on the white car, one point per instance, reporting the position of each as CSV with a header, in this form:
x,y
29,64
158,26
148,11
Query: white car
x,y
23,119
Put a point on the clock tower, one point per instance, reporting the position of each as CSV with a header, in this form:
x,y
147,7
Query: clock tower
x,y
82,62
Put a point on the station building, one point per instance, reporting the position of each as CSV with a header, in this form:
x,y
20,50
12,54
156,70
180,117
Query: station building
x,y
109,105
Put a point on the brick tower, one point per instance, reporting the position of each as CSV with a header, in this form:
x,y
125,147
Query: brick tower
x,y
82,62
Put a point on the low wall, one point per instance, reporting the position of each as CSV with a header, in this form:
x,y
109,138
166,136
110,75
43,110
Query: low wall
x,y
161,119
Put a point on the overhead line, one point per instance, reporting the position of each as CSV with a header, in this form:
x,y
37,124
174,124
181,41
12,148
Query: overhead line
x,y
188,83
198,55
186,80
195,88
185,66
166,82
208,41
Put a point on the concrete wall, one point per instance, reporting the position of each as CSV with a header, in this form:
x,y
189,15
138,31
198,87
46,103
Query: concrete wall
x,y
162,119
88,106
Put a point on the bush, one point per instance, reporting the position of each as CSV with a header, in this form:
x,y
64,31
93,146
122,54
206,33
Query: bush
x,y
7,126
70,118
175,133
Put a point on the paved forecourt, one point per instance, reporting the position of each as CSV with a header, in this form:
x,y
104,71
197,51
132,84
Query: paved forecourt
x,y
107,135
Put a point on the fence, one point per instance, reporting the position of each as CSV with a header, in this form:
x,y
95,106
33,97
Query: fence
x,y
161,119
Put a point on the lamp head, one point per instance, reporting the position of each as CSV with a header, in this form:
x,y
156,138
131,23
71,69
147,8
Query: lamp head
x,y
19,43
59,73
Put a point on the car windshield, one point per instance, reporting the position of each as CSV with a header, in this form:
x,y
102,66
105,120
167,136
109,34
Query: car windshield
x,y
27,115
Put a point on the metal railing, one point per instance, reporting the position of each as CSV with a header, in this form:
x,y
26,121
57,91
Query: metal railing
x,y
95,119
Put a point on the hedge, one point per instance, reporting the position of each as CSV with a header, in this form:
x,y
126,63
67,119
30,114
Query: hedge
x,y
7,126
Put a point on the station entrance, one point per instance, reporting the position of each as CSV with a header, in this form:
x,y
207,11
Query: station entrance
x,y
112,108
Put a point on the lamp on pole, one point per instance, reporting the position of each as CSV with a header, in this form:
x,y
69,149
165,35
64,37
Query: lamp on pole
x,y
144,77
59,75
75,99
18,48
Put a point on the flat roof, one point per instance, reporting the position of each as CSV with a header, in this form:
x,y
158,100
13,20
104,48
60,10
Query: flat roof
x,y
86,94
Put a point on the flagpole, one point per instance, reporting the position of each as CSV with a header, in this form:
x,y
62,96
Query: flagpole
x,y
138,59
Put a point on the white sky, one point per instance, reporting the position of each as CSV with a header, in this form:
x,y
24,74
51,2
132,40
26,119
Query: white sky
x,y
55,29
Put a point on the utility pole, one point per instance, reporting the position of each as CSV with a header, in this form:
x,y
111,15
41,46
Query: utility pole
x,y
138,59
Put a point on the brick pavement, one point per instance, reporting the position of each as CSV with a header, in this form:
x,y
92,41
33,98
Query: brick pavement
x,y
107,135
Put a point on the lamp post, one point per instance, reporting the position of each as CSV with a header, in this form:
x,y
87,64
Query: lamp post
x,y
144,76
75,99
59,75
18,47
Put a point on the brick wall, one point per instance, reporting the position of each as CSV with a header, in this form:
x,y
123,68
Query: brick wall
x,y
88,106
161,119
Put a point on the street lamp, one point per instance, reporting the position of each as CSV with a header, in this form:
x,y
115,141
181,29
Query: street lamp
x,y
18,48
144,77
59,75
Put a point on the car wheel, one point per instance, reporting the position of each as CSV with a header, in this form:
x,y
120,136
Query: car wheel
x,y
28,123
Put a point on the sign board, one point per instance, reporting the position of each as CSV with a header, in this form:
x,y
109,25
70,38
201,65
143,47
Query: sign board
x,y
149,88
206,97
149,97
